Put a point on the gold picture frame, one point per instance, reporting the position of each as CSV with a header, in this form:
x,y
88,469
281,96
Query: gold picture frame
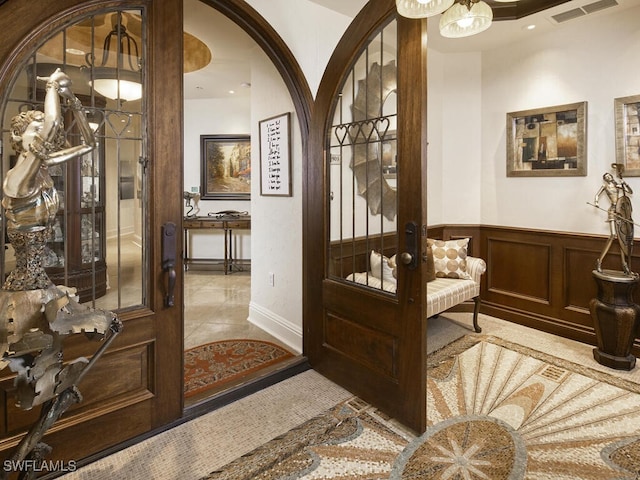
x,y
547,142
225,170
627,110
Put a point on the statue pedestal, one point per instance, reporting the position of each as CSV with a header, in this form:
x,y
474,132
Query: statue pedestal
x,y
615,318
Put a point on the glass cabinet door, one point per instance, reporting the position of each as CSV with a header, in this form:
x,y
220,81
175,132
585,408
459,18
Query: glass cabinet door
x,y
76,253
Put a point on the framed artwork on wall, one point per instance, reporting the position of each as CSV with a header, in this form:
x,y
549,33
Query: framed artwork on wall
x,y
275,156
628,134
547,142
225,170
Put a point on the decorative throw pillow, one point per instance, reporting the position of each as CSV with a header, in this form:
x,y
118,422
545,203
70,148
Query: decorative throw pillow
x,y
380,267
450,257
431,268
394,267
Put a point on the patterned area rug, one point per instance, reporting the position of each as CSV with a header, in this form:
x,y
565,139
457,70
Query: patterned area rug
x,y
214,364
495,410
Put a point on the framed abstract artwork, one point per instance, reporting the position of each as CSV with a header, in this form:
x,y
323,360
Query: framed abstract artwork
x,y
547,142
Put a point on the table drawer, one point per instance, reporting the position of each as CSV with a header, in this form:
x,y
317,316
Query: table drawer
x,y
239,224
191,223
204,223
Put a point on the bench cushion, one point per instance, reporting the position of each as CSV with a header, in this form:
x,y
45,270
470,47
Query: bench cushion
x,y
444,293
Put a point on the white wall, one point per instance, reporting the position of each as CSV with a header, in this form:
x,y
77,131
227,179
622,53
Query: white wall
x,y
276,222
310,31
454,134
593,59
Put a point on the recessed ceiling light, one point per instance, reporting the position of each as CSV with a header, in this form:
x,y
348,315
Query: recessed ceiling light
x,y
232,91
529,27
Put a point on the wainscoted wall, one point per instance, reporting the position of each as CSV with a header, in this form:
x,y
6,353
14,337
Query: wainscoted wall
x,y
538,278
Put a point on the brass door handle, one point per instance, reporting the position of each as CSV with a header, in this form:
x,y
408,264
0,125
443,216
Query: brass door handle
x,y
406,258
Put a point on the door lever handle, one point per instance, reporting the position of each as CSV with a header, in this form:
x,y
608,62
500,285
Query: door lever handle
x,y
169,260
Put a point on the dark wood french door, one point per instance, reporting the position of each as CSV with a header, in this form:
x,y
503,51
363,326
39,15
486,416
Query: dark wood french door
x,y
365,217
136,386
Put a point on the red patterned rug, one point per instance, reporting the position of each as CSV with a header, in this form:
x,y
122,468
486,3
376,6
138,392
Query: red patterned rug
x,y
214,364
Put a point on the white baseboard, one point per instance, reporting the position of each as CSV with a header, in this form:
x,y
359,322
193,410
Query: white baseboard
x,y
279,327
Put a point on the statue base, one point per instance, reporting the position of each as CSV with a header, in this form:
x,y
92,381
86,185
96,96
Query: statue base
x,y
616,318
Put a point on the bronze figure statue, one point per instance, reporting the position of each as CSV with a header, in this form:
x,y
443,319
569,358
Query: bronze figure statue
x,y
619,217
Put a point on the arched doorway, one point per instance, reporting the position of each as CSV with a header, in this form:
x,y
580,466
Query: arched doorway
x,y
275,224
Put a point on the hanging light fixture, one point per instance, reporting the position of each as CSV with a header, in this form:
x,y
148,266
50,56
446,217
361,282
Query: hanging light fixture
x,y
461,18
422,8
121,79
465,18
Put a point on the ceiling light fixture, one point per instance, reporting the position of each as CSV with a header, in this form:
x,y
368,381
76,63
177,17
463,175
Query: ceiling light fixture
x,y
422,8
461,18
120,79
468,17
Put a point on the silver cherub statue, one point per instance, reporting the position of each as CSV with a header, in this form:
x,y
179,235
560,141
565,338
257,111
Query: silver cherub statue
x,y
36,315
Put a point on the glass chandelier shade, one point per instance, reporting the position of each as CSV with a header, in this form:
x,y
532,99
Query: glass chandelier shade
x,y
462,21
122,77
422,8
107,84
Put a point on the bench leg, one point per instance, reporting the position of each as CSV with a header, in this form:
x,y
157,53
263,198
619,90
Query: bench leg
x,y
476,309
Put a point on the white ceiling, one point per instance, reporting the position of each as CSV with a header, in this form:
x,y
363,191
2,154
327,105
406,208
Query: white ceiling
x,y
346,7
232,48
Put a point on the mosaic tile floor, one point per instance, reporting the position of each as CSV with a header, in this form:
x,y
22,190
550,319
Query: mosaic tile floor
x,y
192,450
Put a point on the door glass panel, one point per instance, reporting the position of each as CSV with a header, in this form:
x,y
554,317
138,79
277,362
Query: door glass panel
x,y
97,243
362,168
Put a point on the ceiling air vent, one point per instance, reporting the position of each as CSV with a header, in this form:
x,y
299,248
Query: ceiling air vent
x,y
601,5
568,15
581,11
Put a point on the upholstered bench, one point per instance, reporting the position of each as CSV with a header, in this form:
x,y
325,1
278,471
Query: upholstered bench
x,y
444,293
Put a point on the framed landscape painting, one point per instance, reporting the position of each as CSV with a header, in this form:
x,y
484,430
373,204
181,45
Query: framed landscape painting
x,y
546,142
225,171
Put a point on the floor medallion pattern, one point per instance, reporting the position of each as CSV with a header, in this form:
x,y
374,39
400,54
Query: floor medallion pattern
x,y
495,413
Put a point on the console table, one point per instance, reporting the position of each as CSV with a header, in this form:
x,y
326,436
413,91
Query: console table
x,y
228,223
